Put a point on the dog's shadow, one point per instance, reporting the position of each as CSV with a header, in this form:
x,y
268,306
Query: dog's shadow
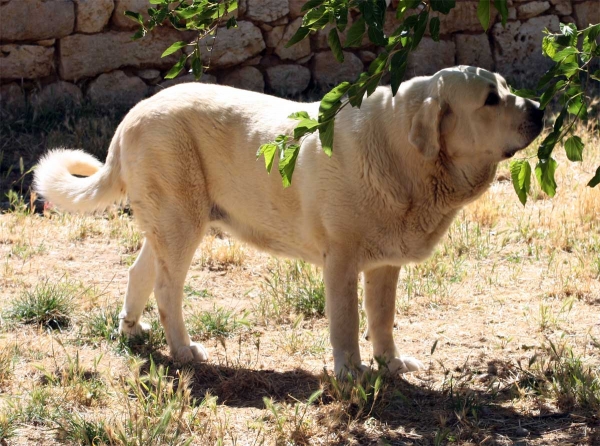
x,y
413,413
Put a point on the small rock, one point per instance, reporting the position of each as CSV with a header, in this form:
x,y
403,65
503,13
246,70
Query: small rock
x,y
296,51
295,7
562,7
26,61
328,72
121,21
149,74
12,99
528,10
521,432
235,45
92,15
274,36
247,78
266,10
474,49
116,88
57,95
288,80
46,42
587,13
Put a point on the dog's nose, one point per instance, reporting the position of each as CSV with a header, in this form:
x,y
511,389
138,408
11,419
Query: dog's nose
x,y
537,115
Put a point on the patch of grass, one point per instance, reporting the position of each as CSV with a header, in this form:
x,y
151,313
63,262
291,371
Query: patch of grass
x,y
189,291
156,405
101,325
49,304
292,287
219,322
73,427
219,253
8,426
7,360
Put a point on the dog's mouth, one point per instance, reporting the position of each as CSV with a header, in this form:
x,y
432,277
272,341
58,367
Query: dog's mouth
x,y
509,153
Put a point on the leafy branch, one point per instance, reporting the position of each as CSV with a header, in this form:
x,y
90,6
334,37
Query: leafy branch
x,y
203,16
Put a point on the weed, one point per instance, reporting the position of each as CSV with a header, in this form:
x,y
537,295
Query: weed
x,y
189,291
217,323
292,286
74,428
360,392
8,426
101,325
48,304
156,405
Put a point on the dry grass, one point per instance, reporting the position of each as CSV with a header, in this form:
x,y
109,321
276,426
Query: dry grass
x,y
505,315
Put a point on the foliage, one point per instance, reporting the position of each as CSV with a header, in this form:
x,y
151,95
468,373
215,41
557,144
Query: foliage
x,y
572,50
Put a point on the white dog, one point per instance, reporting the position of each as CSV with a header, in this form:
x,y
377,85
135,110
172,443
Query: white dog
x,y
401,169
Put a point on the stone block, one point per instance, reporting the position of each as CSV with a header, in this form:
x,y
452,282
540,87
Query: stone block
x,y
92,15
234,46
328,72
288,80
26,61
57,95
184,79
295,7
430,57
518,49
83,55
474,49
36,19
247,78
274,36
587,13
562,7
121,21
296,51
116,88
266,10
528,10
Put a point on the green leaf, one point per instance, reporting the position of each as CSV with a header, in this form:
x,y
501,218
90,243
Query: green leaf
x,y
299,115
196,65
287,164
525,93
355,33
314,16
310,4
568,69
443,6
231,22
176,69
434,28
141,32
300,34
158,2
398,66
326,136
483,13
420,28
547,146
378,64
502,8
596,179
331,102
174,47
405,5
372,84
550,92
574,148
520,172
135,16
544,172
595,75
562,54
268,151
577,107
304,127
341,18
336,46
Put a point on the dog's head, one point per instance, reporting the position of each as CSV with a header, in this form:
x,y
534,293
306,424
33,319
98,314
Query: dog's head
x,y
471,114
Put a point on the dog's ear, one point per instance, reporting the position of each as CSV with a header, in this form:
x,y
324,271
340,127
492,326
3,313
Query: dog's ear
x,y
425,128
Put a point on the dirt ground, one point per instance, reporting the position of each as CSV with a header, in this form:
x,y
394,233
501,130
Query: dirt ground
x,y
506,316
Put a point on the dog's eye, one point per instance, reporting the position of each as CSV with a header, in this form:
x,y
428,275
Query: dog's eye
x,y
492,99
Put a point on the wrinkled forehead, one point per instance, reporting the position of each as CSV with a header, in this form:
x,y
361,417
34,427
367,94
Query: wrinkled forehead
x,y
464,81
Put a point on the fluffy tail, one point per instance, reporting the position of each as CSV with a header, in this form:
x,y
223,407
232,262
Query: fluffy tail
x,y
96,187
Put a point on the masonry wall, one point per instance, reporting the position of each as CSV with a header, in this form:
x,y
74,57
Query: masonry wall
x,y
65,50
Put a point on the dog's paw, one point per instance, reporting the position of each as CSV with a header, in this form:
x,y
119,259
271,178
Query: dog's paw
x,y
133,328
356,370
404,364
190,353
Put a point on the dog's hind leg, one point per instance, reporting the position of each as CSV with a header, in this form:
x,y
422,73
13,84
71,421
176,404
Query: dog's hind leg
x,y
141,282
174,244
380,301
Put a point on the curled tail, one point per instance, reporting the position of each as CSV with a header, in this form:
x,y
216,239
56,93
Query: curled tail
x,y
97,186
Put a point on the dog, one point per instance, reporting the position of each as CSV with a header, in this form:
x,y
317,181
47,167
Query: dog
x,y
401,169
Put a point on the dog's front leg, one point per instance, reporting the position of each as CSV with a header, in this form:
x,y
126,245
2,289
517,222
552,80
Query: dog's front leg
x,y
380,302
341,283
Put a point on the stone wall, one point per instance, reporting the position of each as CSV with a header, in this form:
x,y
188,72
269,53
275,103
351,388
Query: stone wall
x,y
53,51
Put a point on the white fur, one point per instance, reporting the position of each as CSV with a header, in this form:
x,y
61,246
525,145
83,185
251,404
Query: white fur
x,y
401,169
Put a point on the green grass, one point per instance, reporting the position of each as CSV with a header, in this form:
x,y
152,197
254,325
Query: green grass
x,y
50,305
219,322
100,325
74,428
292,287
